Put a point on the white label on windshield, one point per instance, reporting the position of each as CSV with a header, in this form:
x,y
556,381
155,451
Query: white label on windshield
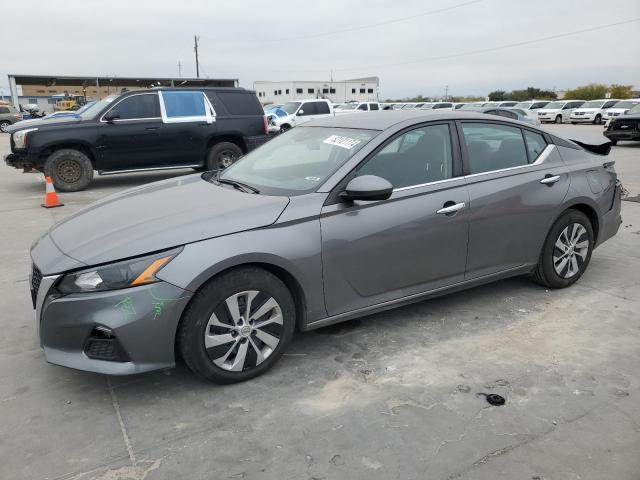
x,y
342,142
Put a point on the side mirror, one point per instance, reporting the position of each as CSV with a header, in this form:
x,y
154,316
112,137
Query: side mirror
x,y
112,115
368,188
300,112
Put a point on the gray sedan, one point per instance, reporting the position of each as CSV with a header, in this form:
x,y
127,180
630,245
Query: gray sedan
x,y
334,220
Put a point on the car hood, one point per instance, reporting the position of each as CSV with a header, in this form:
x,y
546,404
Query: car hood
x,y
546,110
616,110
43,123
587,110
161,215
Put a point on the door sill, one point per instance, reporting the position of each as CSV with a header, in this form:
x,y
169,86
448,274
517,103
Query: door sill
x,y
152,169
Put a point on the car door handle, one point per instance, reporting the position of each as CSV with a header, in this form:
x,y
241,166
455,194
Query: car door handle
x,y
448,208
550,179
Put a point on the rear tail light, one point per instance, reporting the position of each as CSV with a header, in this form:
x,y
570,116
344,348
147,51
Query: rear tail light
x,y
265,122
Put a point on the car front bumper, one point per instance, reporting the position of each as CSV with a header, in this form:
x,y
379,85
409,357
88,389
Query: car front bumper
x,y
583,118
622,134
116,332
548,117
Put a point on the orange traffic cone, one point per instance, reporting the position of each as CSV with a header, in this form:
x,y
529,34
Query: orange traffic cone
x,y
50,196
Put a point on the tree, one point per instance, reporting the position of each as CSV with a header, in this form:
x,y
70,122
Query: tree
x,y
530,93
592,91
497,95
620,91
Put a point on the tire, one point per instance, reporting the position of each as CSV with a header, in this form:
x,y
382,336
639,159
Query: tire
x,y
69,169
222,155
4,125
574,123
597,120
553,270
284,128
613,142
208,318
558,119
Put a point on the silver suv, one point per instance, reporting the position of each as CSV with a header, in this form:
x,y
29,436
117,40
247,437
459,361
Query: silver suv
x,y
8,116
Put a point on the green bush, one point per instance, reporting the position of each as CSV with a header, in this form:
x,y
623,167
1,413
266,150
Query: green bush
x,y
593,91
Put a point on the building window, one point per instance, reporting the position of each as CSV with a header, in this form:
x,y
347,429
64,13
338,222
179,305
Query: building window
x,y
287,91
353,90
370,90
51,101
275,92
298,90
259,94
33,100
362,90
325,90
310,90
332,90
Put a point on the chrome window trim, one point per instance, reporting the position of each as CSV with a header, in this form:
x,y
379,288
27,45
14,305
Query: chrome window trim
x,y
541,158
102,120
401,189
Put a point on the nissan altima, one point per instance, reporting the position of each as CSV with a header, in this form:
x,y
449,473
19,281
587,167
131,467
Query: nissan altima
x,y
334,220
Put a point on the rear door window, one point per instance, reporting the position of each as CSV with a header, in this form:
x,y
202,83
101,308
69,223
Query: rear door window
x,y
4,110
373,106
322,108
492,146
138,106
185,106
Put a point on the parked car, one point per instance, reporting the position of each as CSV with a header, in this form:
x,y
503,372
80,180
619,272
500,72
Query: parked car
x,y
624,127
514,114
303,111
353,107
458,106
438,106
532,104
592,111
339,218
498,104
620,108
8,116
559,111
152,129
472,106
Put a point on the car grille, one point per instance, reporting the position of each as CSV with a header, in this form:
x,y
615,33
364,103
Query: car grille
x,y
626,125
36,278
578,113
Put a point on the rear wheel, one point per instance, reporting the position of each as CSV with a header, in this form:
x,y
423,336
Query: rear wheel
x,y
237,326
566,252
4,125
69,169
558,118
222,155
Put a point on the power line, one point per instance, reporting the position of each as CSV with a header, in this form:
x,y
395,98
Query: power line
x,y
493,49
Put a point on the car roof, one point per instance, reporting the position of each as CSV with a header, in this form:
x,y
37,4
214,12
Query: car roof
x,y
385,119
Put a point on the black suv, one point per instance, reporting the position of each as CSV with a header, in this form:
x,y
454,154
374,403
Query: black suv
x,y
161,128
624,127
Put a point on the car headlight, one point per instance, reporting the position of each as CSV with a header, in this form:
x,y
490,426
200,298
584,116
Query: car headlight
x,y
125,274
20,137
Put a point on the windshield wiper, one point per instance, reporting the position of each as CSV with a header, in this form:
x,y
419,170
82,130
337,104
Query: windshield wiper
x,y
239,185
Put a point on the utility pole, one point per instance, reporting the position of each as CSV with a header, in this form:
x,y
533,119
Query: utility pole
x,y
195,48
446,92
179,69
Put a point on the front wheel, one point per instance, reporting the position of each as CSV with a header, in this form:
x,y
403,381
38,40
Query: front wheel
x,y
558,118
4,125
222,155
69,169
237,326
566,251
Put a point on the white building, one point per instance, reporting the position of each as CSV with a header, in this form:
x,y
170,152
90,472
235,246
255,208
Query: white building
x,y
358,89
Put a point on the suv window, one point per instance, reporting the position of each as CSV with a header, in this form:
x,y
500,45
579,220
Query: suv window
x,y
138,106
363,106
422,155
373,106
240,103
322,108
535,144
4,109
183,104
492,146
308,108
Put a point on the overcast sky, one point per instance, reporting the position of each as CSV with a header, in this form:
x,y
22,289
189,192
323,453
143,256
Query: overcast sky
x,y
305,40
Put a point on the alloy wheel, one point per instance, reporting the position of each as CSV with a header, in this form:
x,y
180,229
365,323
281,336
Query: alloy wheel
x,y
243,331
570,250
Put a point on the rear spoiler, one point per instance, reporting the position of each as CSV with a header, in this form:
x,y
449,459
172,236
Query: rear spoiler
x,y
602,149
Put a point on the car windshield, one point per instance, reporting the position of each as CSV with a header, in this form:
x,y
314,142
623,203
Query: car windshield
x,y
298,161
555,105
347,106
592,104
291,107
96,108
624,104
525,105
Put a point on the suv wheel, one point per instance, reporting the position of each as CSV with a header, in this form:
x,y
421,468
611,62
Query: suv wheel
x,y
237,326
566,251
597,120
223,155
558,118
4,125
70,170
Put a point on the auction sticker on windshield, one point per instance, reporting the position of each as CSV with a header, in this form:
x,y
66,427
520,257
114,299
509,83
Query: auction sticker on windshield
x,y
342,142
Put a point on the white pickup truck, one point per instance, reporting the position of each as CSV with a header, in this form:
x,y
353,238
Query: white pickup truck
x,y
356,107
303,111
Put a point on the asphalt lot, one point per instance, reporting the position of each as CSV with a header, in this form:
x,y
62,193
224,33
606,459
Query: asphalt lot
x,y
391,396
